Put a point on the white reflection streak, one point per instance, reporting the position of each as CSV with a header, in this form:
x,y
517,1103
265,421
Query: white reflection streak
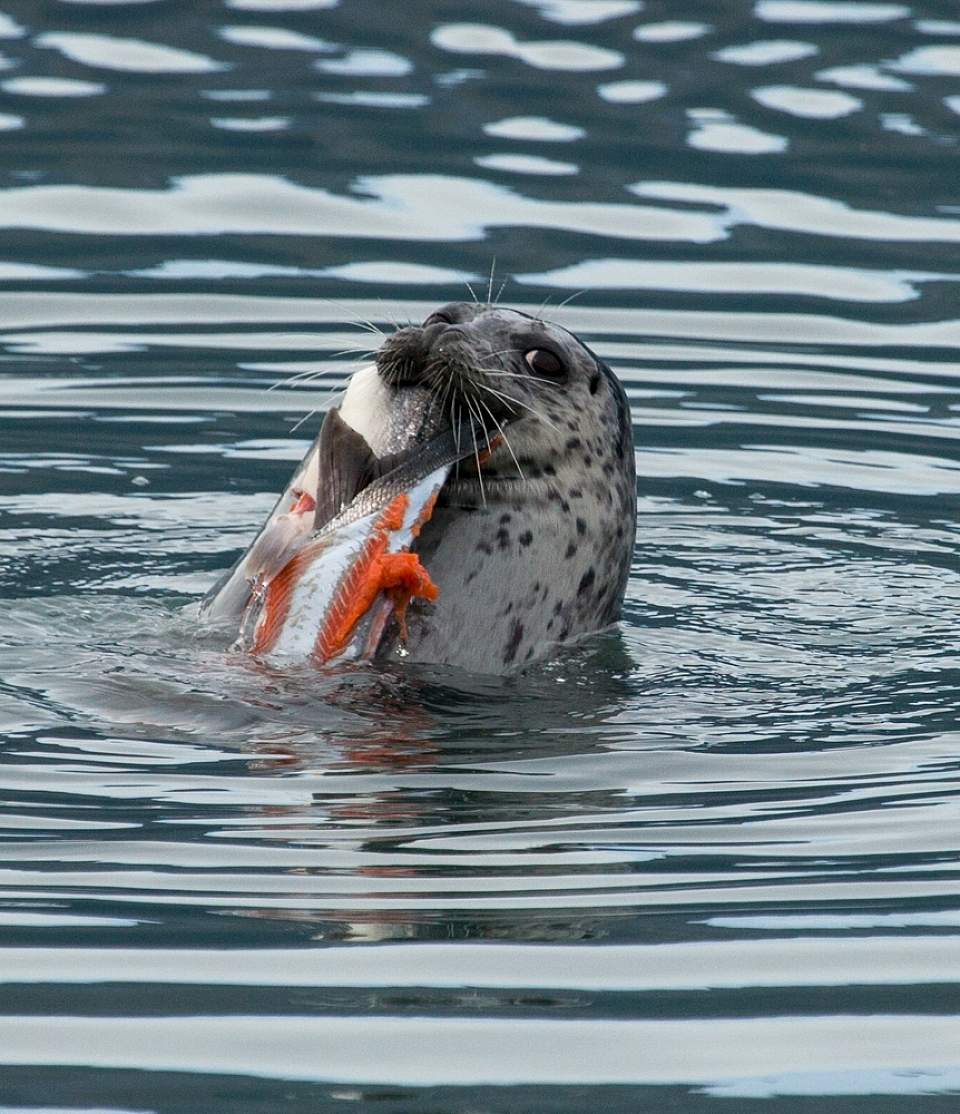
x,y
424,207
452,1051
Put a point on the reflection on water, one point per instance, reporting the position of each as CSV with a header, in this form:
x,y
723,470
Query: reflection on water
x,y
709,856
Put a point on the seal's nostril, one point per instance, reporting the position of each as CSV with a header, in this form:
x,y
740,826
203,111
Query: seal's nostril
x,y
454,313
432,331
402,358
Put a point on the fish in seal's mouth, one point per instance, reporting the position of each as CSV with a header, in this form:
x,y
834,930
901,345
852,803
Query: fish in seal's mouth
x,y
335,561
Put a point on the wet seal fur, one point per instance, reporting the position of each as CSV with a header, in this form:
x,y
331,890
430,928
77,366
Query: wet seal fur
x,y
531,541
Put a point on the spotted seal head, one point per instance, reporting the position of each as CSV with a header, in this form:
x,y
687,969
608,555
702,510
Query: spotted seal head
x,y
531,538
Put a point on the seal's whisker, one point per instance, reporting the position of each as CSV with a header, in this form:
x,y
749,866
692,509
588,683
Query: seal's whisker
x,y
511,401
448,386
323,405
369,327
493,267
455,422
538,316
503,434
359,322
516,375
308,375
503,352
476,453
472,404
473,293
371,352
501,395
331,397
570,297
306,418
511,374
389,316
300,378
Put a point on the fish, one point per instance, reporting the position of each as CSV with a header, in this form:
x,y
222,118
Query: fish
x,y
333,563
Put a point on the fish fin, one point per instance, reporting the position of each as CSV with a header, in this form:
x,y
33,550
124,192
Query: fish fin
x,y
346,465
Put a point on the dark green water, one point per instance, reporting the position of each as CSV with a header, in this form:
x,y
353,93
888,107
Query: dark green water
x,y
708,863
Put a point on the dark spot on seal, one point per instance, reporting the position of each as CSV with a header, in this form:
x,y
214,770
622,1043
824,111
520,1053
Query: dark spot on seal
x,y
513,642
588,461
485,547
505,518
586,581
576,493
595,382
582,527
503,538
571,550
574,443
525,538
549,470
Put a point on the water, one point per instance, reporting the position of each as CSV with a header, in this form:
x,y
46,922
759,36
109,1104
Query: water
x,y
706,862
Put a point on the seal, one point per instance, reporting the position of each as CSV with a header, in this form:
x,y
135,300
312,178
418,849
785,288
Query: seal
x,y
531,538
472,503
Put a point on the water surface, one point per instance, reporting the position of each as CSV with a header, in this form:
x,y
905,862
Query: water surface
x,y
706,862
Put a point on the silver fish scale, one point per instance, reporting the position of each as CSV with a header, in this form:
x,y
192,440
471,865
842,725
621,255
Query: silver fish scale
x,y
413,417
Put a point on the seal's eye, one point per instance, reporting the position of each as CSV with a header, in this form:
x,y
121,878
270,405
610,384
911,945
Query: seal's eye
x,y
438,318
542,361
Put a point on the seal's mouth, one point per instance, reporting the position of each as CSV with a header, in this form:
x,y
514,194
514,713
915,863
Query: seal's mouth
x,y
395,427
443,359
466,389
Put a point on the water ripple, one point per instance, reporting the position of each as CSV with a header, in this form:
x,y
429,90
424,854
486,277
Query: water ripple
x,y
708,855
